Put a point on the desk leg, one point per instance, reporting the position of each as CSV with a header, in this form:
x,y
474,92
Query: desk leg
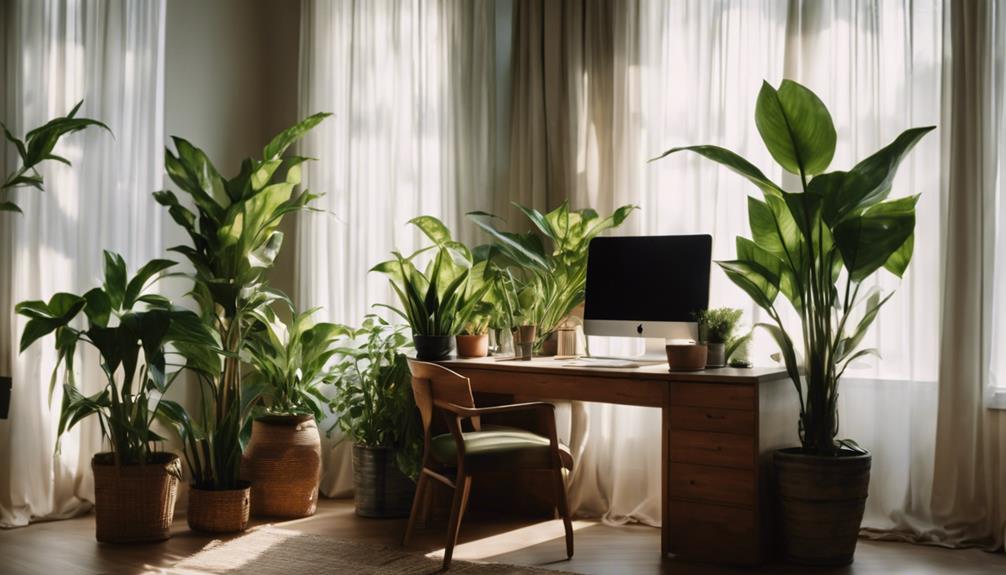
x,y
665,480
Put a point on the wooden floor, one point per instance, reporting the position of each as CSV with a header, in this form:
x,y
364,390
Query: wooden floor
x,y
69,547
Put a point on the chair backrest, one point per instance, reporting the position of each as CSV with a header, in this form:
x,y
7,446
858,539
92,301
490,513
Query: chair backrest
x,y
432,383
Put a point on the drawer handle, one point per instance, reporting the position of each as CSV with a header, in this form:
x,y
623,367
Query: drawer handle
x,y
717,448
711,416
691,482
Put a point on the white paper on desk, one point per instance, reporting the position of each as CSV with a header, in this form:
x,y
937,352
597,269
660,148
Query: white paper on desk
x,y
600,363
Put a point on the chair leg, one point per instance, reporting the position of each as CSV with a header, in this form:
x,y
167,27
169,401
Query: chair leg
x,y
462,487
563,505
428,504
422,486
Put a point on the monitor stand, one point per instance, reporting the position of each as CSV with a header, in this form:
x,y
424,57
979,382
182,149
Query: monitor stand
x,y
654,352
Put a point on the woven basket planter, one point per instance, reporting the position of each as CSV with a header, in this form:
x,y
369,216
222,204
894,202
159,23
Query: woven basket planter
x,y
822,500
283,464
219,511
135,503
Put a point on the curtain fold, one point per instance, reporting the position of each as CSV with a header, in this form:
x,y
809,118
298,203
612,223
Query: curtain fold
x,y
413,88
110,54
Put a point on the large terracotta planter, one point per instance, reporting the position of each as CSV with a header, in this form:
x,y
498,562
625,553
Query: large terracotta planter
x,y
822,500
473,345
135,503
283,464
686,356
380,488
219,510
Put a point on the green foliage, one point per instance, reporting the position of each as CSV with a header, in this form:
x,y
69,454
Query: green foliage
x,y
36,148
235,239
132,332
290,360
374,405
442,299
718,325
818,246
547,282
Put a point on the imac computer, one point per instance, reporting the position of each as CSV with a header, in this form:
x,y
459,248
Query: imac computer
x,y
649,287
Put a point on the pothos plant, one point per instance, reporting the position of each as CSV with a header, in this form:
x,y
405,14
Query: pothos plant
x,y
551,280
818,247
133,333
374,403
37,147
235,240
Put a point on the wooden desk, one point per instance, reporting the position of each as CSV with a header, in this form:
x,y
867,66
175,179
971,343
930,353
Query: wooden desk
x,y
719,428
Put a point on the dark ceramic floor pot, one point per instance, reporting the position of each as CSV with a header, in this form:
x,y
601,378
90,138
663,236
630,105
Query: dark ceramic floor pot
x,y
283,464
381,489
6,385
473,345
219,510
135,503
433,347
822,500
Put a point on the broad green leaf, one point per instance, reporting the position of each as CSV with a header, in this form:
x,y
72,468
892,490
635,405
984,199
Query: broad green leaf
x,y
796,128
433,228
757,281
115,278
9,207
899,260
139,281
99,307
284,139
732,161
869,182
785,344
868,240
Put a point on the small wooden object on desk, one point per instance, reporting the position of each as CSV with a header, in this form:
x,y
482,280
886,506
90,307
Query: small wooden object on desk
x,y
523,338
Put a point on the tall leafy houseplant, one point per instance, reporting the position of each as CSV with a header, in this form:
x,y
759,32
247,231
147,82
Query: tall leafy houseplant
x,y
131,331
375,408
818,246
554,278
235,239
439,301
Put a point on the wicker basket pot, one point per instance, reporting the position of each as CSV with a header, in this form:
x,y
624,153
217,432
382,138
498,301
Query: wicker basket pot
x,y
135,503
219,510
821,502
283,464
380,488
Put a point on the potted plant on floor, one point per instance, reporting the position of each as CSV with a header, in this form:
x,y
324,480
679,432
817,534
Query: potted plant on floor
x,y
36,148
235,239
557,275
716,330
376,410
134,483
818,247
290,361
438,302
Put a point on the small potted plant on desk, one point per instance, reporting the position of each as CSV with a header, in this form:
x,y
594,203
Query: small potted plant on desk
x,y
716,330
134,484
439,302
235,239
818,247
282,461
375,409
36,148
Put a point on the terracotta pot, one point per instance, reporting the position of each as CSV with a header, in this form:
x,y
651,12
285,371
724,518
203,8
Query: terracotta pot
x,y
686,356
821,505
135,503
716,354
219,511
433,347
473,345
380,488
283,464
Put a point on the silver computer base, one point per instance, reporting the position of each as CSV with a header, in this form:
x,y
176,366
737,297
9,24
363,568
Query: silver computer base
x,y
654,352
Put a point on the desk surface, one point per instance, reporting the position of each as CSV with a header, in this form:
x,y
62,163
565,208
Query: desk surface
x,y
550,365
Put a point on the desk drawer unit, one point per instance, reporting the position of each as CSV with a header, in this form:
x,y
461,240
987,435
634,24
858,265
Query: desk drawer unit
x,y
709,448
712,484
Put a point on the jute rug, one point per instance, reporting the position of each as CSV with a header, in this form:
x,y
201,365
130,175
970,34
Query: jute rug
x,y
274,551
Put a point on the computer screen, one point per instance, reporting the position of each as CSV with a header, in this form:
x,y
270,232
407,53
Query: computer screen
x,y
648,278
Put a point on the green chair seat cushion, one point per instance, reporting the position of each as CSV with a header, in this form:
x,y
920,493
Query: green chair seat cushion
x,y
507,445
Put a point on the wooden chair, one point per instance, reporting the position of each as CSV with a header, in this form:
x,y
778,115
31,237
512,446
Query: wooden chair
x,y
483,448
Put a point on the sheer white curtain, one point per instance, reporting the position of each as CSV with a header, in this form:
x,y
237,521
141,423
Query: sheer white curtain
x,y
689,74
109,53
412,85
